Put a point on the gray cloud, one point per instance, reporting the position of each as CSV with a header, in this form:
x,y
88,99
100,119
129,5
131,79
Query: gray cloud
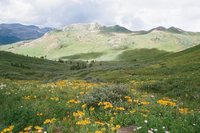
x,y
133,14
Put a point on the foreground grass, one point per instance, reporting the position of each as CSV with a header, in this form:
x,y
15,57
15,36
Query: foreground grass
x,y
70,106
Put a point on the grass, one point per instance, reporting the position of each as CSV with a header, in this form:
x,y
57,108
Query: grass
x,y
162,93
63,109
142,55
83,56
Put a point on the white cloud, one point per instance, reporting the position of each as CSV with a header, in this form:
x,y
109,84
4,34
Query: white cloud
x,y
134,14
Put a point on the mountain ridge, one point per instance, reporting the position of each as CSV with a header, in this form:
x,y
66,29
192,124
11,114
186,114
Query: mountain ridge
x,y
15,32
94,38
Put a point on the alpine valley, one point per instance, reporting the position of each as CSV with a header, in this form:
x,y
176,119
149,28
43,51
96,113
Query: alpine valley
x,y
90,78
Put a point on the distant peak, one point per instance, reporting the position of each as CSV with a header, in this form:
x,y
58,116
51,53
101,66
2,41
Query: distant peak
x,y
171,29
83,26
115,28
175,30
160,28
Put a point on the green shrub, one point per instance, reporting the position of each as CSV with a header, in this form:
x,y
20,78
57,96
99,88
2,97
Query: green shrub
x,y
114,94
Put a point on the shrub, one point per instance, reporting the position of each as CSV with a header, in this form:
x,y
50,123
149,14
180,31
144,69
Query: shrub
x,y
114,94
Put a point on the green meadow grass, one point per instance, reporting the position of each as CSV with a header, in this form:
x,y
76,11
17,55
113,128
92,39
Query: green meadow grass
x,y
161,93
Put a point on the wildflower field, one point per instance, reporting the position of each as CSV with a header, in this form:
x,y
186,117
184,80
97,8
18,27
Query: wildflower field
x,y
71,106
42,96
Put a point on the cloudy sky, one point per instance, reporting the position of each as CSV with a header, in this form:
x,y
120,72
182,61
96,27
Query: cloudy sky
x,y
133,14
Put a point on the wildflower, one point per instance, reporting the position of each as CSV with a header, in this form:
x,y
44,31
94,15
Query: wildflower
x,y
84,106
112,119
183,110
28,128
99,123
166,102
39,114
83,122
38,128
73,101
145,111
119,108
91,108
145,103
155,130
82,93
133,111
78,114
136,101
8,129
54,98
49,121
115,128
149,131
98,132
138,128
103,129
128,98
27,97
145,121
106,105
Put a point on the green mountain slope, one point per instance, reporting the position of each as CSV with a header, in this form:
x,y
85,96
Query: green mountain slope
x,y
172,74
22,67
80,39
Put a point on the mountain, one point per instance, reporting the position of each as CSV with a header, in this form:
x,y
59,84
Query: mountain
x,y
116,29
95,41
11,33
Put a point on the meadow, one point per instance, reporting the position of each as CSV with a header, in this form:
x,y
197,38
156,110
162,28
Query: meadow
x,y
147,94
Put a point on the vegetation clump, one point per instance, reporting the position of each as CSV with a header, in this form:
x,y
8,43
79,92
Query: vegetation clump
x,y
113,94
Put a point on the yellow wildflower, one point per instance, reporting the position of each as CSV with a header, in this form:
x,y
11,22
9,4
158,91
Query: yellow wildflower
x,y
82,93
91,108
73,101
8,129
166,102
78,114
84,106
54,98
183,110
145,103
133,111
106,105
99,123
98,132
83,122
119,108
49,121
27,128
103,129
115,128
27,97
129,100
38,128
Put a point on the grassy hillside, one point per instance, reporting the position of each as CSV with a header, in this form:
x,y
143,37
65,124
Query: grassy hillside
x,y
158,92
111,41
22,67
174,74
142,55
